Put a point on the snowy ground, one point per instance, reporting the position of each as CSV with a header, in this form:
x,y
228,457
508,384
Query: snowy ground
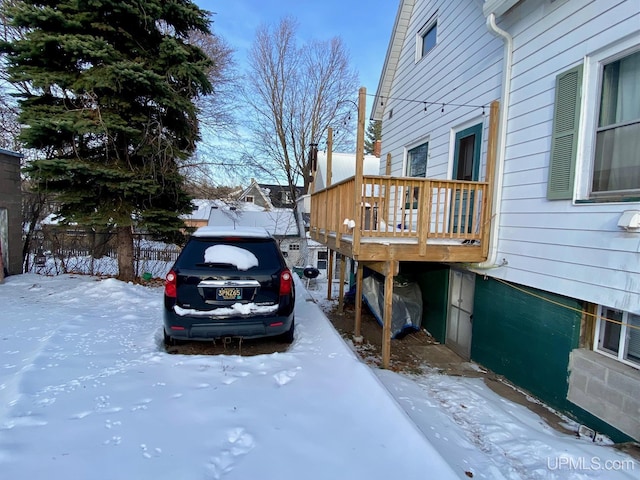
x,y
88,392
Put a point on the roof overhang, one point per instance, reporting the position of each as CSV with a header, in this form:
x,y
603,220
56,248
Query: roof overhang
x,y
497,7
398,34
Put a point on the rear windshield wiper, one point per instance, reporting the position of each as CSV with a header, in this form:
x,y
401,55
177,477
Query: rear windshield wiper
x,y
215,264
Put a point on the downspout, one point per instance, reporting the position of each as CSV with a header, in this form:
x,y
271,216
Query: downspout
x,y
491,261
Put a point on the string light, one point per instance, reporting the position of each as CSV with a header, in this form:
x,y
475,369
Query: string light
x,y
426,103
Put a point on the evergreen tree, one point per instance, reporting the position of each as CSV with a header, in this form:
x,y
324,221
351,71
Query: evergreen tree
x,y
372,135
113,85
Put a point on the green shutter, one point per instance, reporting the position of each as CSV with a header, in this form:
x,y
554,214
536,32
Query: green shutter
x,y
564,139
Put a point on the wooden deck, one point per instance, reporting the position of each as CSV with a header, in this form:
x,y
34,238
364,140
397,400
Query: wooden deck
x,y
403,219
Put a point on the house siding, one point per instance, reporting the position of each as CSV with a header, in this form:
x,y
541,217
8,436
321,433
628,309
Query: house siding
x,y
577,250
567,251
472,77
11,203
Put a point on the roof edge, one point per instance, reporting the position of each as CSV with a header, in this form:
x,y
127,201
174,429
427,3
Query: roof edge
x,y
11,153
398,33
498,7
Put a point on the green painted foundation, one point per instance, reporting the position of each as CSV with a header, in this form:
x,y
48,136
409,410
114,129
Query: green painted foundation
x,y
433,279
526,335
522,335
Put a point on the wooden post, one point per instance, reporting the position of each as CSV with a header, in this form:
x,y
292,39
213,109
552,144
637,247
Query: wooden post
x,y
343,263
330,273
1,264
362,101
386,319
492,152
387,170
329,157
358,317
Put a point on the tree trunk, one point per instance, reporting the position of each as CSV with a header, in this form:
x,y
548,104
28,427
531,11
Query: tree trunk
x,y
126,271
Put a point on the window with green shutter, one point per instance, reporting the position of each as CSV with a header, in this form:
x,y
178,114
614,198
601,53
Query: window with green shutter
x,y
564,138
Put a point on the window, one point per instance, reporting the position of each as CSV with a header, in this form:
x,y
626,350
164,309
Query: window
x,y
417,161
427,39
294,246
285,197
606,132
416,167
248,199
618,335
616,166
322,260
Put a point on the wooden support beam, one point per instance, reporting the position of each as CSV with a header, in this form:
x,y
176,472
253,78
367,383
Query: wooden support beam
x,y
358,317
330,273
492,153
362,105
383,268
343,264
386,319
387,169
328,179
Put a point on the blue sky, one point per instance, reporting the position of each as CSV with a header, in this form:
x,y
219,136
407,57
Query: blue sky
x,y
364,26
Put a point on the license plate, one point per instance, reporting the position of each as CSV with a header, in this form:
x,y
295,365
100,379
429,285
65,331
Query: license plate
x,y
229,293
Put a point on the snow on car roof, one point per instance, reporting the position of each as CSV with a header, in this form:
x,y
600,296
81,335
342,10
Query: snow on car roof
x,y
252,232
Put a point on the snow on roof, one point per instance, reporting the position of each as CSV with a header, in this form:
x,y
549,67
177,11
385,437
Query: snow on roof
x,y
223,231
202,208
343,165
278,221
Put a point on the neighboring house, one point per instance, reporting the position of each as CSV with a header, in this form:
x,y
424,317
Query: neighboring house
x,y
10,211
199,217
544,186
269,196
280,222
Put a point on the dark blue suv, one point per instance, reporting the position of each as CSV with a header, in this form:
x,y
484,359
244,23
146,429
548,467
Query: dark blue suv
x,y
229,283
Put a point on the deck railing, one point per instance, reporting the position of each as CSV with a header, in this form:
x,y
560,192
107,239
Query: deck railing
x,y
402,208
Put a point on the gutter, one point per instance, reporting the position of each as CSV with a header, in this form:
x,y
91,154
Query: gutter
x,y
496,202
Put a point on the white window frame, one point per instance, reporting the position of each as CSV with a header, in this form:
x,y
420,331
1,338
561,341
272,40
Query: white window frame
x,y
249,199
294,247
590,106
431,23
623,342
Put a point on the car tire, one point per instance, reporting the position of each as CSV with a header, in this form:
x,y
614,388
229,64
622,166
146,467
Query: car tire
x,y
287,337
170,341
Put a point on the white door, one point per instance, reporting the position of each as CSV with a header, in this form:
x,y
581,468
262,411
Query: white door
x,y
459,318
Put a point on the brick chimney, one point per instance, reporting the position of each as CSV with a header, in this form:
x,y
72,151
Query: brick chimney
x,y
377,148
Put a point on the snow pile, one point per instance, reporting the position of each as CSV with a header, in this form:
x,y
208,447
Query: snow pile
x,y
241,258
87,391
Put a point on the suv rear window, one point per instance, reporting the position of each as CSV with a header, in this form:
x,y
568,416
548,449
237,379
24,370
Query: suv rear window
x,y
264,249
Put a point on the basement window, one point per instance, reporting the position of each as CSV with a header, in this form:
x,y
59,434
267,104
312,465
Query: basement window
x,y
618,335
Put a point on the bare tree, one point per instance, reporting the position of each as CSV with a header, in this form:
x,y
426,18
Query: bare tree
x,y
295,93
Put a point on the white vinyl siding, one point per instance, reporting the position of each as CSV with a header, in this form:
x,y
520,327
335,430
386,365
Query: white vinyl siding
x,y
572,248
569,246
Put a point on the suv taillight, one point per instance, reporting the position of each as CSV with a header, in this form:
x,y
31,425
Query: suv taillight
x,y
286,282
170,283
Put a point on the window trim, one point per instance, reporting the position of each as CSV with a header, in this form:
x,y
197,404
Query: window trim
x,y
426,28
622,342
588,126
413,146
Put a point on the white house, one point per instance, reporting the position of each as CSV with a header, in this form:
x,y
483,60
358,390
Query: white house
x,y
555,308
514,118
